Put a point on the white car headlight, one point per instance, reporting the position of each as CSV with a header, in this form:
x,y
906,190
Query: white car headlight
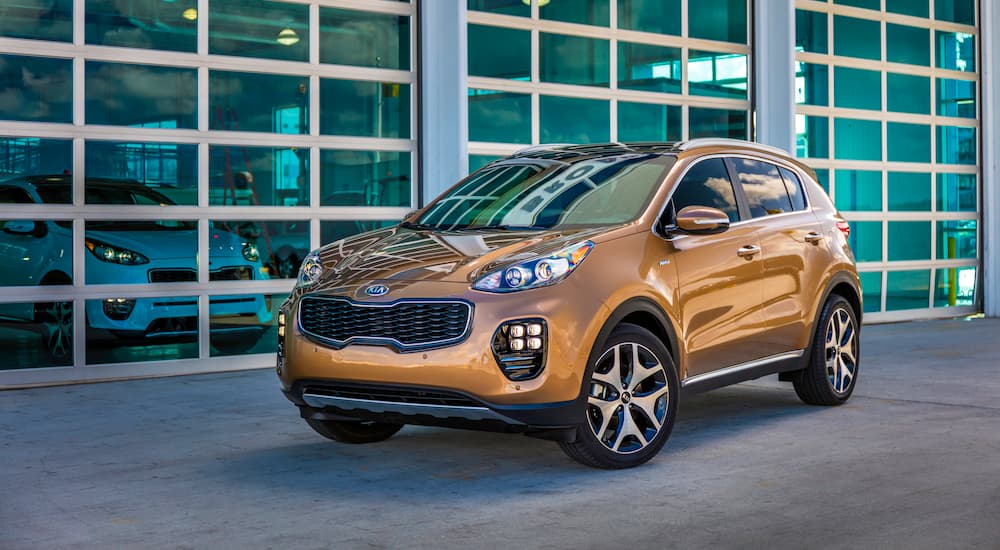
x,y
114,254
541,271
310,270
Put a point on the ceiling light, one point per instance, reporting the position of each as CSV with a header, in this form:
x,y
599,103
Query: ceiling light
x,y
287,37
190,14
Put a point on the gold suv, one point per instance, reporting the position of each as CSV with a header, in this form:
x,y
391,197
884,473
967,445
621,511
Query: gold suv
x,y
576,293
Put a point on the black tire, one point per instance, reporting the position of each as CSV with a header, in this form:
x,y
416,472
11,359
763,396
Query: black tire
x,y
825,381
354,432
626,442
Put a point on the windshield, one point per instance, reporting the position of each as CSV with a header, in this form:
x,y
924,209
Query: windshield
x,y
543,194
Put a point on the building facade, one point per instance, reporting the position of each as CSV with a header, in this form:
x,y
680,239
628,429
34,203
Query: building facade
x,y
166,164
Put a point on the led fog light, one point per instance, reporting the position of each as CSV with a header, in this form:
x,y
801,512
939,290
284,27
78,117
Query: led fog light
x,y
519,348
118,309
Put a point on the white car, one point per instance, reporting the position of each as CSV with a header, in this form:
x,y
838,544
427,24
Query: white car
x,y
125,252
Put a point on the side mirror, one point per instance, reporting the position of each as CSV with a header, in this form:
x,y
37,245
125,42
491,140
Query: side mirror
x,y
23,227
702,220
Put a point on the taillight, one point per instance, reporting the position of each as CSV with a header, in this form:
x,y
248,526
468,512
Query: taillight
x,y
844,228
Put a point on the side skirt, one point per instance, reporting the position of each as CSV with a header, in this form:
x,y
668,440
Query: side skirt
x,y
784,362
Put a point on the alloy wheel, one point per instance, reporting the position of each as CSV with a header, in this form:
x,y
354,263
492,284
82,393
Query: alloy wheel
x,y
628,398
58,328
841,351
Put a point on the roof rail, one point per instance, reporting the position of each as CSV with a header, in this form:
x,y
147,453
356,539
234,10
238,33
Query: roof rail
x,y
541,147
727,142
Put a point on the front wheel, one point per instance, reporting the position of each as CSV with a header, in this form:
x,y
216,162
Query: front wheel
x,y
631,393
354,432
834,358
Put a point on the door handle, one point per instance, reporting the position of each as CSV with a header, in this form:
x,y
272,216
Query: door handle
x,y
748,251
814,237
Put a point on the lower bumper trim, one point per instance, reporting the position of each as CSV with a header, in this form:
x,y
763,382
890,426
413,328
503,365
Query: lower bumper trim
x,y
373,406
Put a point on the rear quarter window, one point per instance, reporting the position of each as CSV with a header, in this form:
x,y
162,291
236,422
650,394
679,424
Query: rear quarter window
x,y
794,187
763,186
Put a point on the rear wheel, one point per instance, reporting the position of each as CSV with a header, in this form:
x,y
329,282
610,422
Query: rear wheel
x,y
631,402
354,432
834,358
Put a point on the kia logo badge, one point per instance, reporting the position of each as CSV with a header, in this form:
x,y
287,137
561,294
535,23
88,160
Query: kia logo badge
x,y
377,290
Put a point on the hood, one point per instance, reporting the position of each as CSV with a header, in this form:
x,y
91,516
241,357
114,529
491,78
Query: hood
x,y
171,244
398,254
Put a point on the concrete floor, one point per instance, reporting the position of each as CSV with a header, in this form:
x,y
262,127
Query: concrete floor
x,y
222,461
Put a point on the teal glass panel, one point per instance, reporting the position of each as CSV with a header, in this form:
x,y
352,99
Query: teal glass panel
x,y
656,16
857,88
259,28
907,290
717,74
49,20
956,98
812,84
908,93
704,122
500,117
866,241
140,24
867,4
141,252
233,333
351,37
574,120
956,51
168,173
142,96
871,291
957,193
38,89
955,287
956,239
130,329
905,44
908,142
40,334
505,7
650,68
909,191
858,190
956,145
811,31
258,102
478,161
915,8
258,176
855,37
371,109
723,20
648,122
812,136
29,156
584,12
857,139
909,241
956,11
35,251
365,178
823,178
499,53
330,231
280,247
573,60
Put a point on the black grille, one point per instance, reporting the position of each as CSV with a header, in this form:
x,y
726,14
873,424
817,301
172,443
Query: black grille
x,y
231,274
394,395
403,325
172,275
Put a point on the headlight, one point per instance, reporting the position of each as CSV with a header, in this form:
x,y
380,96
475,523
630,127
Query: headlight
x,y
115,255
310,270
543,271
250,252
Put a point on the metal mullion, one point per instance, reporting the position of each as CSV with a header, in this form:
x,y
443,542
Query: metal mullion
x,y
315,195
376,6
500,20
488,148
536,53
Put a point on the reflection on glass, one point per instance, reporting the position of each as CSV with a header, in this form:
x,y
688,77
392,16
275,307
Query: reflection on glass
x,y
49,20
140,252
857,88
812,136
574,120
956,239
243,250
141,24
858,190
866,241
365,178
907,290
370,109
258,102
478,161
29,156
34,252
717,74
584,12
126,329
724,20
142,96
505,7
905,44
811,31
350,37
38,89
855,37
909,191
956,51
648,67
330,231
499,117
908,93
234,331
956,11
956,98
258,176
36,335
857,139
871,288
909,241
717,123
957,193
955,287
916,8
141,173
867,4
956,145
648,122
656,16
573,60
259,28
811,84
908,142
499,52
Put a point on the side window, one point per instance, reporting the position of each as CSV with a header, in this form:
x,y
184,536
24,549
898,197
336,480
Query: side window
x,y
707,183
763,186
14,195
794,186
